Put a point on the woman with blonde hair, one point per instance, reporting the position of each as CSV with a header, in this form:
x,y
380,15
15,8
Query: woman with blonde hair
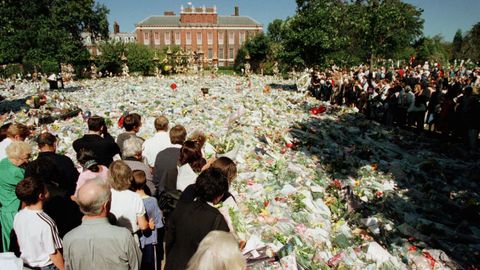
x,y
11,173
15,132
217,251
127,206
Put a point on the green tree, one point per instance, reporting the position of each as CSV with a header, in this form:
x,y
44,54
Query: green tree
x,y
140,58
431,49
316,32
457,45
275,30
385,27
471,43
257,48
34,31
240,60
111,54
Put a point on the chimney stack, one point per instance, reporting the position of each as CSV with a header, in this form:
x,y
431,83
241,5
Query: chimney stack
x,y
169,13
116,28
237,11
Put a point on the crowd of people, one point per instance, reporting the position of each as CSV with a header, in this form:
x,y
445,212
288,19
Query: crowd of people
x,y
110,213
428,97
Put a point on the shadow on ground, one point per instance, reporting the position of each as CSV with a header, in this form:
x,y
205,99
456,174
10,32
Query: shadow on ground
x,y
435,203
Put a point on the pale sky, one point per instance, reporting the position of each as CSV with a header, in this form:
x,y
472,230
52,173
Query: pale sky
x,y
441,16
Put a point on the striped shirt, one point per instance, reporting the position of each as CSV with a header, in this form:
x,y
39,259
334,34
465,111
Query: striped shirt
x,y
37,237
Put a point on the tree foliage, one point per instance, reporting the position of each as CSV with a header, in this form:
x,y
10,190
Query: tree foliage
x,y
471,43
111,56
345,32
258,49
431,49
457,45
316,32
34,31
139,58
386,26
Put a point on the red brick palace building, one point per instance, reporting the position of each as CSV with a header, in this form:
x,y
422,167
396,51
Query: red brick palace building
x,y
199,29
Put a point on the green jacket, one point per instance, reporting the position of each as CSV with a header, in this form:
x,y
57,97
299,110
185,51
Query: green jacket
x,y
10,176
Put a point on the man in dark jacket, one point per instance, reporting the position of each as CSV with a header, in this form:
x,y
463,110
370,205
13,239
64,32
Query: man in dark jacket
x,y
99,141
67,173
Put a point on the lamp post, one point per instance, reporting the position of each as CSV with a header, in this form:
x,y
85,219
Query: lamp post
x,y
156,60
125,69
169,60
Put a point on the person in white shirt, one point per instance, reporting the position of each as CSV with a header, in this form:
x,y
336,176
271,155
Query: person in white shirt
x,y
159,141
15,132
190,164
126,205
36,232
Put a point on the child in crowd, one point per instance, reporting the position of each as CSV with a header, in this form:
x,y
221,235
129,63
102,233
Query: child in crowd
x,y
151,241
36,232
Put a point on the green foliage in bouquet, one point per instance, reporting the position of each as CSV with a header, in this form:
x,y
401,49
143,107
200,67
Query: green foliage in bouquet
x,y
236,220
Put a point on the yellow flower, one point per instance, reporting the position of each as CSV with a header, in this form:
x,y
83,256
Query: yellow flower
x,y
265,212
330,200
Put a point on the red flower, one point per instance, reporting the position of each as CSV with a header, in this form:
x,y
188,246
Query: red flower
x,y
173,86
266,203
412,248
314,111
336,184
120,121
289,145
430,259
379,194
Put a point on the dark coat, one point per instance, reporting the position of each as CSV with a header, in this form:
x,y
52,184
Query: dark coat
x,y
103,148
189,224
165,170
67,173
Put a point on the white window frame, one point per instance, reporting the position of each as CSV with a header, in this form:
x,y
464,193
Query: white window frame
x,y
199,38
241,38
210,38
210,53
146,38
178,38
188,38
167,38
220,53
231,38
220,38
